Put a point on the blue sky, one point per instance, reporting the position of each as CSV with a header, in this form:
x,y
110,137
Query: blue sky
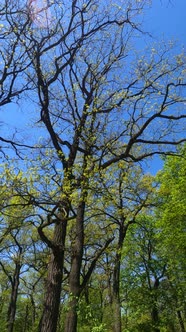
x,y
165,20
168,18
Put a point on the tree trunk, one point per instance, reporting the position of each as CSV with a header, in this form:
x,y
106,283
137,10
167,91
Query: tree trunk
x,y
33,310
116,315
155,318
181,322
50,314
14,292
116,305
25,325
74,277
71,319
74,282
155,313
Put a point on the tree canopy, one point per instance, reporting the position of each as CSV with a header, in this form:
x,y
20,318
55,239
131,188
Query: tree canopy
x,y
85,230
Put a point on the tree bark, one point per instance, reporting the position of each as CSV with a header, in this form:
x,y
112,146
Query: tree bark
x,y
155,313
49,319
74,277
25,325
14,293
116,305
155,318
181,322
33,309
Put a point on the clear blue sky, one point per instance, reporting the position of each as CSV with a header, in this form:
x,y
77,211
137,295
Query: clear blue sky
x,y
168,18
165,20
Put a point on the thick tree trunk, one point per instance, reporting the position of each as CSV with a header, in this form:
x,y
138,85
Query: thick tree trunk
x,y
116,305
155,318
74,277
116,315
74,281
14,292
181,322
71,319
50,314
155,313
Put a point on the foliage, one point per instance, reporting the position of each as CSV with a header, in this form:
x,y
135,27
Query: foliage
x,y
79,215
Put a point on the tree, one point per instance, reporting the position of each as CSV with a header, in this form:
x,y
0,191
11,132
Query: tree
x,y
125,192
143,275
20,247
153,264
14,63
171,214
86,76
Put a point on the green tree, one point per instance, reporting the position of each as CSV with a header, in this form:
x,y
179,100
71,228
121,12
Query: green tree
x,y
125,194
153,265
171,222
143,274
99,103
21,250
